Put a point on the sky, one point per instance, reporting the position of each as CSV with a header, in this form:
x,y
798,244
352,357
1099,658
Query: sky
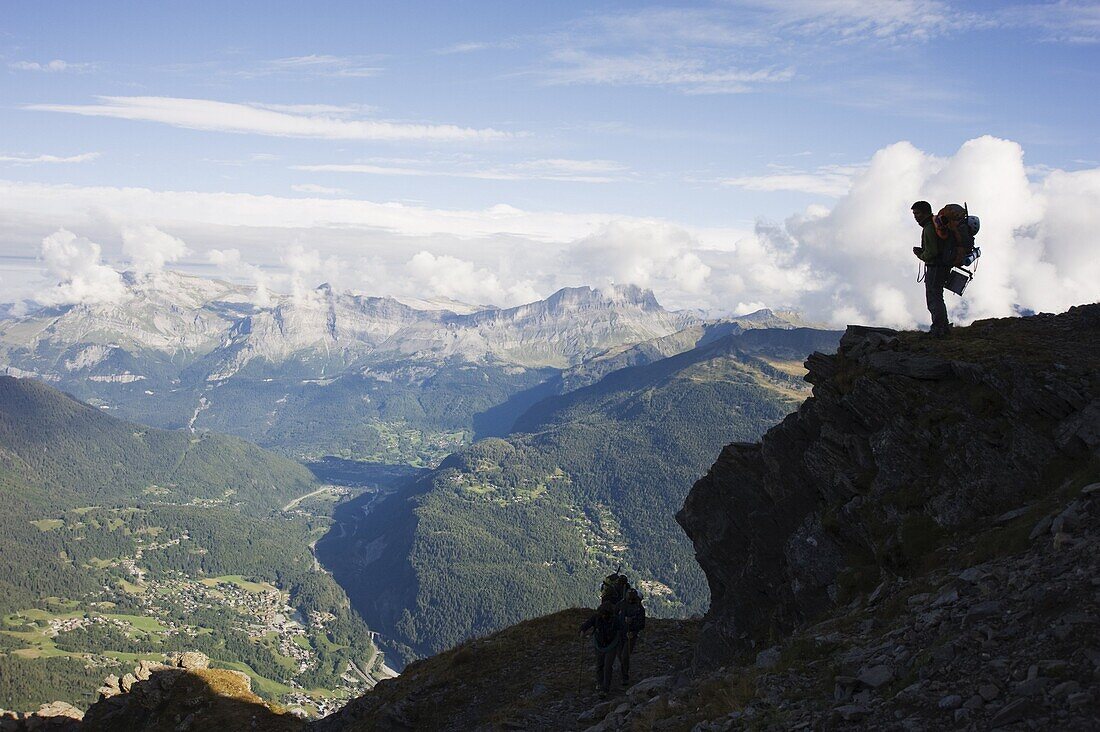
x,y
728,155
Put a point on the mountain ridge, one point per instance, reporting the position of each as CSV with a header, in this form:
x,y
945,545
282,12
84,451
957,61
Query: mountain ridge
x,y
185,351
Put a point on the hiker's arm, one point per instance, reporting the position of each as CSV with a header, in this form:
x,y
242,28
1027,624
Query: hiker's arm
x,y
929,245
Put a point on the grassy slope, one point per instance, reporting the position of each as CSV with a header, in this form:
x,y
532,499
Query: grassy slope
x,y
535,675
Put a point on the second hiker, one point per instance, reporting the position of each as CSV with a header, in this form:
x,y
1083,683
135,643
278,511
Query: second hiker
x,y
632,613
607,638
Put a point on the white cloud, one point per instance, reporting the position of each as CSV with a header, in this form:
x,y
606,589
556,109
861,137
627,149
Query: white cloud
x,y
447,276
1063,21
831,180
54,66
863,20
690,74
850,262
319,65
74,262
205,114
35,159
734,47
550,169
1035,236
231,264
149,249
649,254
473,46
306,268
336,110
316,189
79,206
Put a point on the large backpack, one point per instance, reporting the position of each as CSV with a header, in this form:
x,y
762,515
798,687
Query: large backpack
x,y
957,227
610,589
606,631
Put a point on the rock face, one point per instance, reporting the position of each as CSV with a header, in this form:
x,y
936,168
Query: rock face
x,y
906,443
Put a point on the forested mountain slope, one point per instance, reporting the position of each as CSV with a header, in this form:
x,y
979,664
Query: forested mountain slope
x,y
119,541
78,455
512,528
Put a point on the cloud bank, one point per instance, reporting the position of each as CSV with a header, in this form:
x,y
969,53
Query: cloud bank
x,y
849,263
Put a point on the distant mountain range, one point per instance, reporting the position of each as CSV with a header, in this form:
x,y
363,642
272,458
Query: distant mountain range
x,y
389,379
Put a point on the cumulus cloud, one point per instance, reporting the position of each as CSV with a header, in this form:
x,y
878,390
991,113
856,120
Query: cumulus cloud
x,y
149,249
74,262
1036,238
648,254
206,114
850,262
306,268
231,264
462,280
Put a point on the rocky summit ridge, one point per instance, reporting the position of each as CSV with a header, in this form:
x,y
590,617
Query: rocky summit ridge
x,y
222,327
906,443
916,548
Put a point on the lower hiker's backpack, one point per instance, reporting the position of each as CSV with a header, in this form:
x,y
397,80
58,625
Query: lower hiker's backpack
x,y
955,225
605,631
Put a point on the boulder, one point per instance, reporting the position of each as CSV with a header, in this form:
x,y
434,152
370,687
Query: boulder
x,y
768,658
1014,711
876,676
193,660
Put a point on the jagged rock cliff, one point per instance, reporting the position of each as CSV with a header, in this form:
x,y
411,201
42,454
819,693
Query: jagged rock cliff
x,y
906,443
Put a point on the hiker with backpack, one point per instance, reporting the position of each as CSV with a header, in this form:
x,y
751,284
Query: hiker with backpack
x,y
932,251
607,638
614,588
947,241
632,613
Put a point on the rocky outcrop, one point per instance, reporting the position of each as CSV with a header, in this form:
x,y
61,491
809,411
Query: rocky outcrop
x,y
183,693
907,443
56,716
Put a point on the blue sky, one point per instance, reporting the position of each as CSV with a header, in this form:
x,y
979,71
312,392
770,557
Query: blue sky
x,y
703,117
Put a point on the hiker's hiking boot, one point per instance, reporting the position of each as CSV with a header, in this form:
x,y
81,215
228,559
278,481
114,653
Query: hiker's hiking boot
x,y
942,331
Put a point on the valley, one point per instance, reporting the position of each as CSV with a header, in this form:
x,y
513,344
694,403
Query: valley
x,y
185,547
463,470
587,482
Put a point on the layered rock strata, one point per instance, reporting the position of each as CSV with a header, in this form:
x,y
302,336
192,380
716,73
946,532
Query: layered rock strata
x,y
906,442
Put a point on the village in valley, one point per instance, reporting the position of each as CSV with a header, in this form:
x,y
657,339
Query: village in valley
x,y
142,613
